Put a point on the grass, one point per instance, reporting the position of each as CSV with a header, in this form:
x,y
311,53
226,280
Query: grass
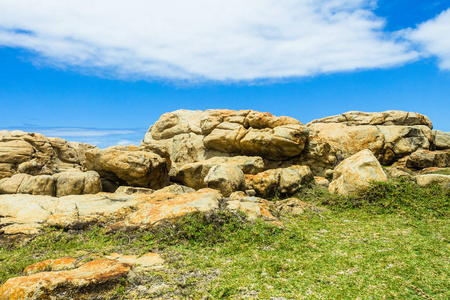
x,y
391,242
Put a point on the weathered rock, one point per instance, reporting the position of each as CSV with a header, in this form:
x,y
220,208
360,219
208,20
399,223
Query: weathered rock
x,y
192,136
389,135
438,179
79,283
193,175
441,139
397,172
425,159
291,206
60,184
284,181
59,264
321,181
146,261
435,170
253,207
129,190
225,178
355,173
175,189
36,154
132,165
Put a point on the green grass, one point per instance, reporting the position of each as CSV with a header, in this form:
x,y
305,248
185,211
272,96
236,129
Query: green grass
x,y
391,242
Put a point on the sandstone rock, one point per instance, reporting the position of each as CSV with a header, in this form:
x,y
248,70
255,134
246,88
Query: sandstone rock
x,y
441,140
193,175
253,207
35,154
192,136
74,284
435,170
175,189
51,265
429,179
60,184
285,181
131,165
397,172
321,181
225,178
146,261
389,135
392,117
355,173
129,190
425,159
77,183
291,206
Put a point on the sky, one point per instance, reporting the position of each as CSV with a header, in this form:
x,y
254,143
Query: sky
x,y
103,71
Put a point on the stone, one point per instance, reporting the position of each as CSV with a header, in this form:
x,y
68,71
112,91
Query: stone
x,y
355,173
77,183
292,206
193,136
131,165
36,154
284,181
60,184
79,283
430,179
225,178
389,135
175,189
426,159
51,265
193,175
253,207
146,261
321,181
397,172
129,190
441,140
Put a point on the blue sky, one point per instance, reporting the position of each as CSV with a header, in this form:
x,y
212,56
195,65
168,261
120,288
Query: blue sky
x,y
101,72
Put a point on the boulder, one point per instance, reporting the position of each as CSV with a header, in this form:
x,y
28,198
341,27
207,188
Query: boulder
x,y
225,178
389,135
426,159
131,165
175,189
253,207
80,283
397,172
60,184
441,139
59,264
292,206
36,154
438,179
192,136
355,173
284,181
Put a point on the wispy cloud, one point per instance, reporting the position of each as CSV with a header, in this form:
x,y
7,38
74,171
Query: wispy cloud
x,y
197,40
99,137
433,37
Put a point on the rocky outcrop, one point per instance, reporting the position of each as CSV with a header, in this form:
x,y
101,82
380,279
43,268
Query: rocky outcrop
x,y
130,165
355,173
441,139
81,283
282,181
192,136
390,135
59,264
36,154
59,185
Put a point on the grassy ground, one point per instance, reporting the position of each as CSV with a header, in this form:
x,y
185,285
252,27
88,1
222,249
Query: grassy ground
x,y
392,242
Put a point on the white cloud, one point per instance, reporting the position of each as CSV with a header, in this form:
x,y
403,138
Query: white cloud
x,y
203,39
434,37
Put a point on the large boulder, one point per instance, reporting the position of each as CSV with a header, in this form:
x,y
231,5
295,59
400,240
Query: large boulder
x,y
438,179
282,181
192,136
60,184
441,139
390,135
130,165
193,174
355,173
36,154
225,178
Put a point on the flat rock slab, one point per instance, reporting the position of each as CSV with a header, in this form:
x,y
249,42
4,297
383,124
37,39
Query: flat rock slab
x,y
79,283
